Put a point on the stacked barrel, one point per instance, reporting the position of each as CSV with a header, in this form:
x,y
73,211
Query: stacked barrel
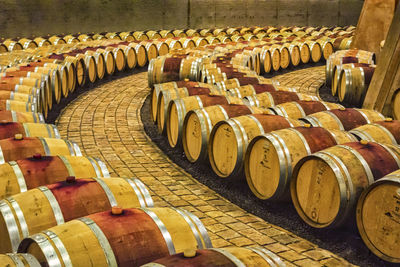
x,y
285,145
349,73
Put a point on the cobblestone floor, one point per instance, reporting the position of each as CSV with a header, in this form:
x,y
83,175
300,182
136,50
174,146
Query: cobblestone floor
x,y
106,123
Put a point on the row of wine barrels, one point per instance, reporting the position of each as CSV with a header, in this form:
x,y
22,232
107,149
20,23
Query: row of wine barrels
x,y
170,86
121,237
178,108
337,74
353,84
347,56
20,147
229,139
198,125
377,217
28,129
326,185
24,174
343,119
165,97
271,157
18,260
386,132
302,108
227,257
270,99
22,117
55,204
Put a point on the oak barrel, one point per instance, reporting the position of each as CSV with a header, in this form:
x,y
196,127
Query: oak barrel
x,y
198,124
386,132
121,237
178,108
28,129
270,99
326,185
16,116
20,147
229,139
396,104
18,260
343,119
378,217
302,108
217,257
270,157
55,204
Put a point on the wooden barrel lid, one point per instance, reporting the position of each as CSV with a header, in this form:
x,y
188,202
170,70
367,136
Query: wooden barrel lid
x,y
378,217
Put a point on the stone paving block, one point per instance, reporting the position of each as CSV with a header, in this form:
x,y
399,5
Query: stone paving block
x,y
291,255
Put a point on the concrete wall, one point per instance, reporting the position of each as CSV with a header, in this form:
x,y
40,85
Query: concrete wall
x,y
39,17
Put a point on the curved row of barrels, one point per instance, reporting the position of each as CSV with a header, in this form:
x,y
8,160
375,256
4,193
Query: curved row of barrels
x,y
237,33
60,208
288,145
349,73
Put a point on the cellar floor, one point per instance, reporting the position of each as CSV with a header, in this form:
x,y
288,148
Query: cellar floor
x,y
106,122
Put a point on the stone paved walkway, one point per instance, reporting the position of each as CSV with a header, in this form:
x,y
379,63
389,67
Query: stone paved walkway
x,y
106,123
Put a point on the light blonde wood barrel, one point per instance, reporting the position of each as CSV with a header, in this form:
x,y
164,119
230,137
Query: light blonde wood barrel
x,y
27,43
21,147
265,61
178,108
100,62
119,57
396,105
305,53
198,124
386,132
270,158
166,34
151,49
18,260
21,175
343,119
270,99
12,45
326,185
170,86
15,116
377,210
127,36
275,58
302,108
315,51
227,257
141,55
108,238
294,51
165,97
229,139
327,48
140,36
28,129
58,203
109,60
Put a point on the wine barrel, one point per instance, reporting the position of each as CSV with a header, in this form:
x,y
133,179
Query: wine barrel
x,y
343,119
326,47
270,157
167,96
198,124
16,116
305,52
238,82
178,108
119,57
153,35
294,51
270,99
100,61
338,73
21,97
151,49
377,210
315,51
20,147
252,89
18,260
109,60
141,55
24,174
10,129
170,86
265,61
12,45
140,36
61,202
354,83
151,233
386,132
326,185
339,57
27,43
166,34
229,139
301,108
216,257
130,56
3,48
17,106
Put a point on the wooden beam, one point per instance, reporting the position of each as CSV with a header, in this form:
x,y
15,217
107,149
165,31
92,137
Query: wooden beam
x,y
373,24
386,79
